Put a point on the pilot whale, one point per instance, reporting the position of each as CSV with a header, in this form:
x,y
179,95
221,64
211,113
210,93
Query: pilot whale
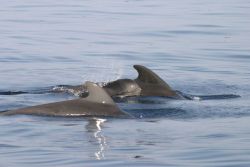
x,y
97,103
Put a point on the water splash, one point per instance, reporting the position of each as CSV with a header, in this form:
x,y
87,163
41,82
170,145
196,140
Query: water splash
x,y
105,70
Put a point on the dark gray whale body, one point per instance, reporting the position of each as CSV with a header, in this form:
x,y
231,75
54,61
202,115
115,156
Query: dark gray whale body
x,y
97,103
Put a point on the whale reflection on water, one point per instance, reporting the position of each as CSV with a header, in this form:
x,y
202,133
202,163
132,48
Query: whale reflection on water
x,y
94,129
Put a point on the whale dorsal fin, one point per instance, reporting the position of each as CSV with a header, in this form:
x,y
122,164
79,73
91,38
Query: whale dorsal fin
x,y
148,76
97,94
151,84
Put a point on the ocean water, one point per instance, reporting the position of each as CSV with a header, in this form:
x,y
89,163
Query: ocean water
x,y
198,47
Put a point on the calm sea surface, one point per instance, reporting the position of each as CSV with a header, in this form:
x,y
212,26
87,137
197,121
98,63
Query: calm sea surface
x,y
198,47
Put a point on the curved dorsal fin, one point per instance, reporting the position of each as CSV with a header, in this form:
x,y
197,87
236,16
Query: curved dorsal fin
x,y
149,77
97,94
151,84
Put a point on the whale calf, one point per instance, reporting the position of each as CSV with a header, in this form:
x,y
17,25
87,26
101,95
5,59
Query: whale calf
x,y
97,103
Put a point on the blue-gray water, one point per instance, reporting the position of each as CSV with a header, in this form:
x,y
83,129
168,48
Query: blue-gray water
x,y
198,47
